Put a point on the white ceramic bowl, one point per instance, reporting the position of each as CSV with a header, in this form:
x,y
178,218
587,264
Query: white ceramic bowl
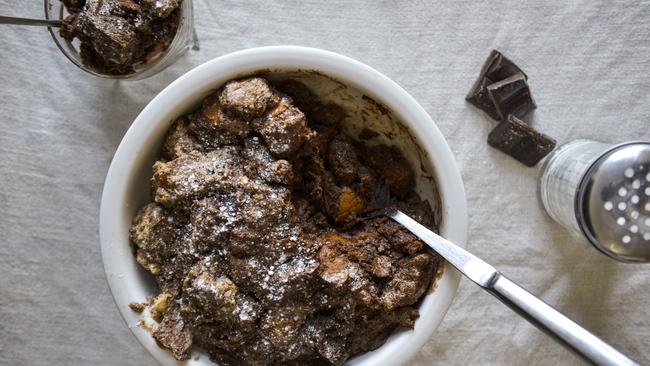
x,y
127,183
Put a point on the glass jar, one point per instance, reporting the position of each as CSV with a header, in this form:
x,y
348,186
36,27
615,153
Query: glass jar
x,y
184,40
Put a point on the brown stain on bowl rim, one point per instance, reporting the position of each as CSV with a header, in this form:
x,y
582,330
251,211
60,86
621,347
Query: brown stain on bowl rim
x,y
437,276
380,107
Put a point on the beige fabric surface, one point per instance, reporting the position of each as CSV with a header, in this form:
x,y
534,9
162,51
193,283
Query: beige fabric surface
x,y
589,67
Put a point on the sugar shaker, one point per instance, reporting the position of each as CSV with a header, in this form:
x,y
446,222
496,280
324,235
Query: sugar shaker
x,y
601,191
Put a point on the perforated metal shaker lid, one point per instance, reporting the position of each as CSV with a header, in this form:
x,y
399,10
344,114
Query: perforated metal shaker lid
x,y
613,202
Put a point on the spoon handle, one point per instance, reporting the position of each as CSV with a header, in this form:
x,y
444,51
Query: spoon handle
x,y
27,21
564,330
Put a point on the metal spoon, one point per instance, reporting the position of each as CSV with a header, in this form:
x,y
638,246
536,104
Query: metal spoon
x,y
539,313
32,22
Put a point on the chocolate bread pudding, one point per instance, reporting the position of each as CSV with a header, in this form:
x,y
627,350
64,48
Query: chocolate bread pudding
x,y
118,35
263,235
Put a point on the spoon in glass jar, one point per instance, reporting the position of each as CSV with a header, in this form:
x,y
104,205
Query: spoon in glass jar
x,y
29,21
543,316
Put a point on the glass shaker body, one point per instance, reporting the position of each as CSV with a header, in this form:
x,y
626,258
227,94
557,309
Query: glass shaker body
x,y
561,175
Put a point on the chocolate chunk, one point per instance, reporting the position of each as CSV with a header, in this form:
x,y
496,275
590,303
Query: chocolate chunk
x,y
74,6
247,98
284,128
522,142
111,37
303,97
343,161
512,96
175,334
480,98
501,67
496,68
161,8
392,167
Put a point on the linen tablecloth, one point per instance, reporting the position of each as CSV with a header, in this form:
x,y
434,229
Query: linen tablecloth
x,y
588,64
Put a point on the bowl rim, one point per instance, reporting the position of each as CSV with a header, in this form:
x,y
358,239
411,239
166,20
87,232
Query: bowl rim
x,y
176,98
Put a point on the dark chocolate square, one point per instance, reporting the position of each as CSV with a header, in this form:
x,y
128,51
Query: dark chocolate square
x,y
481,98
496,68
512,96
522,142
501,68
